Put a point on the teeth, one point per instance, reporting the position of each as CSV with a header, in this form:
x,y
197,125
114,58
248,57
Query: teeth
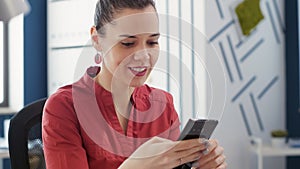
x,y
138,69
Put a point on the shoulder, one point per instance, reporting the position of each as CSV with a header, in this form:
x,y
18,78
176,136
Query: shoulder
x,y
62,101
62,95
60,104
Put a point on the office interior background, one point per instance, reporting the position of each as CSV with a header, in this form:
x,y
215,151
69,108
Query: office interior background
x,y
39,52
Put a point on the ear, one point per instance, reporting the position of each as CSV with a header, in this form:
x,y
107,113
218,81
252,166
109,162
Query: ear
x,y
95,38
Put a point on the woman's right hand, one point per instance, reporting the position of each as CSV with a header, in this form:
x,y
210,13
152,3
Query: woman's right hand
x,y
165,154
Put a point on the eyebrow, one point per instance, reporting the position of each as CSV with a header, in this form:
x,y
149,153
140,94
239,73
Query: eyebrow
x,y
132,36
156,34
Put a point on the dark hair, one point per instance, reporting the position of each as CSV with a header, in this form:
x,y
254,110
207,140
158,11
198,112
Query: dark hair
x,y
105,10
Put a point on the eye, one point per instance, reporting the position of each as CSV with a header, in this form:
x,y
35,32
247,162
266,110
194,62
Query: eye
x,y
127,44
153,43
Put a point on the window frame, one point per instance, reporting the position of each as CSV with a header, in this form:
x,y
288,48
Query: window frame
x,y
5,32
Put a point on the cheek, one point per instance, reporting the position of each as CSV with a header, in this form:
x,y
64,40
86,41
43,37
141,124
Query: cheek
x,y
120,57
114,59
153,61
154,57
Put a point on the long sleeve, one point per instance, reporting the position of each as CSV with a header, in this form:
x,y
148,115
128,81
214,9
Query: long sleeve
x,y
62,141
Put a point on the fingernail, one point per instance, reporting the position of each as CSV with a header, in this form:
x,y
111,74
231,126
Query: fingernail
x,y
203,140
195,164
207,144
205,152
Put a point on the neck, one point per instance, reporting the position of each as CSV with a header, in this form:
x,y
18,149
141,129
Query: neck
x,y
121,92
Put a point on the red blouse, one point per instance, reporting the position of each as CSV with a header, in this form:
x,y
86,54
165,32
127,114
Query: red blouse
x,y
81,130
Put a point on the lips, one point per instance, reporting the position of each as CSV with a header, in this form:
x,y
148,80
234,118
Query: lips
x,y
138,71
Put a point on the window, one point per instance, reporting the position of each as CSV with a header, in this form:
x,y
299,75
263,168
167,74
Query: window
x,y
1,64
3,67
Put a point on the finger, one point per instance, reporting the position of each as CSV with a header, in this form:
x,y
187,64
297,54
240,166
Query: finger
x,y
180,154
222,166
185,156
176,158
188,152
211,145
218,163
218,151
189,144
189,158
181,157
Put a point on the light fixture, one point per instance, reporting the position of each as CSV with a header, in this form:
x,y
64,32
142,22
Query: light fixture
x,y
12,8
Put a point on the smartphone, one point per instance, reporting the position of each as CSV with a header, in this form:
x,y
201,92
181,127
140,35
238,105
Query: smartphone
x,y
197,128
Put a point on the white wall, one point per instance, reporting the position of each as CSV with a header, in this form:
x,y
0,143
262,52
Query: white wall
x,y
69,23
16,63
16,53
182,42
264,66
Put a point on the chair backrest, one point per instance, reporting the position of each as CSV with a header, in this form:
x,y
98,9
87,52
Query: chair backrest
x,y
26,151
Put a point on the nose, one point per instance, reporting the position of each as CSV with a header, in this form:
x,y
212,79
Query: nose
x,y
142,54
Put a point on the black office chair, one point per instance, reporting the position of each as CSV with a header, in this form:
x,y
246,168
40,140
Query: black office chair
x,y
25,137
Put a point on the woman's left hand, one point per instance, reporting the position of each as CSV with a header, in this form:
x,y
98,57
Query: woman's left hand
x,y
213,157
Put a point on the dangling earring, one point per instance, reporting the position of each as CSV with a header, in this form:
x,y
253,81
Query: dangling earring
x,y
98,57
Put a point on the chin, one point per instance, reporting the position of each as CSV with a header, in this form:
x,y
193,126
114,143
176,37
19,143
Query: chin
x,y
137,82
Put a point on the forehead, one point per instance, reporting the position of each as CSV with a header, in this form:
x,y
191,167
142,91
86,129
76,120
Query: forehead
x,y
133,21
130,11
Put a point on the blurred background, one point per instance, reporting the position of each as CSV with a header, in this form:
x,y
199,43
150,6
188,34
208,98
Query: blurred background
x,y
256,93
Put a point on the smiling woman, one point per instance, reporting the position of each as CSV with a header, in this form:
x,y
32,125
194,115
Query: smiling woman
x,y
104,118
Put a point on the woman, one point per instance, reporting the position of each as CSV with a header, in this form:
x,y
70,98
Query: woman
x,y
102,120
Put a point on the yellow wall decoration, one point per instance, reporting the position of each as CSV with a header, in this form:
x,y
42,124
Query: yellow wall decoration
x,y
249,15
